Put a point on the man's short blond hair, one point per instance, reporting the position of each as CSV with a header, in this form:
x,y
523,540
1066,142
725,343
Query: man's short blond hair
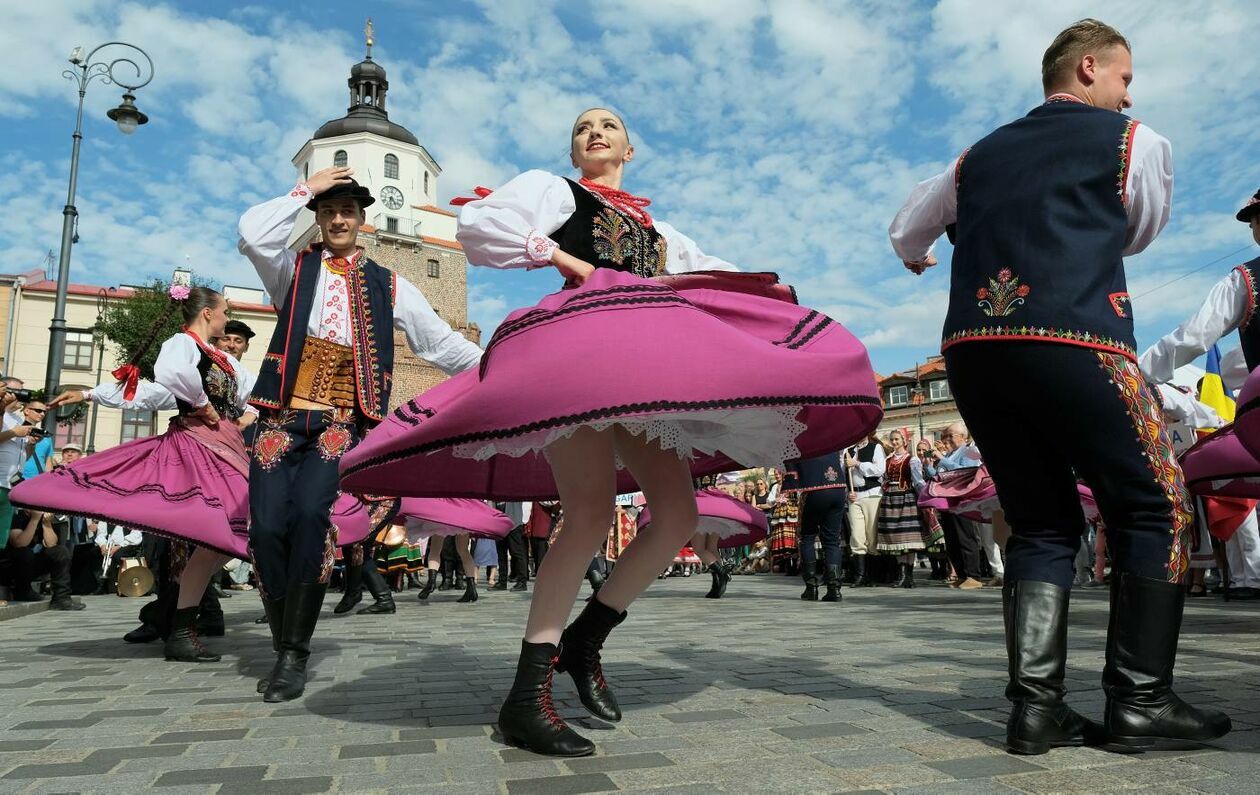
x,y
1089,36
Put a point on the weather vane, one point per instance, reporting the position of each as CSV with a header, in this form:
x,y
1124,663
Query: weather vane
x,y
367,34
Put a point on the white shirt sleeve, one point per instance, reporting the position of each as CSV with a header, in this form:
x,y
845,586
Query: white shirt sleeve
x,y
1234,369
1183,407
132,538
932,206
102,534
682,255
1222,311
244,384
1148,193
429,336
176,369
264,239
510,227
150,396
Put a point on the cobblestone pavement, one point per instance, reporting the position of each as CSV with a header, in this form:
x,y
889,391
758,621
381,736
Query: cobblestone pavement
x,y
895,691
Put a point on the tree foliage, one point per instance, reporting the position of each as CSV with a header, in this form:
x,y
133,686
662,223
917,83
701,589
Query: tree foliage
x,y
146,318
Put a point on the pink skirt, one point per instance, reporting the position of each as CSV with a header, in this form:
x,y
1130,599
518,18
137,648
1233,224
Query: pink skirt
x,y
1247,414
190,484
968,492
735,522
1220,465
447,517
727,375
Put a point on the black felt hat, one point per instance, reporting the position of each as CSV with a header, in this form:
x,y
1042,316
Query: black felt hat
x,y
239,329
1249,209
345,190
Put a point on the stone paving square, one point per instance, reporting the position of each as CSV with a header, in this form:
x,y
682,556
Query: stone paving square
x,y
889,691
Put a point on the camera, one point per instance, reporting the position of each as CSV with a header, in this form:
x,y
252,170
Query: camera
x,y
38,433
21,395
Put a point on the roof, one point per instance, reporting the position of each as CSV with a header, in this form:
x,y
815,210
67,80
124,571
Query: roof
x,y
433,209
44,285
933,366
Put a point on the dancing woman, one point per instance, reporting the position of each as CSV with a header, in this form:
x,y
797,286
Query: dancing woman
x,y
587,432
187,484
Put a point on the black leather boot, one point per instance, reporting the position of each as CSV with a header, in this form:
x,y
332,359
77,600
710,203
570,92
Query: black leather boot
x,y
528,718
863,578
720,580
1141,651
832,580
382,596
301,613
145,633
499,584
580,646
1035,615
809,573
429,584
183,645
596,579
352,593
274,610
470,590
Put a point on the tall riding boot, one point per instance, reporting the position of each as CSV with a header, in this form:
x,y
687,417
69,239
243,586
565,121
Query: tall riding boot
x,y
445,571
470,590
274,609
528,718
183,645
863,578
904,571
1035,615
809,573
580,646
383,597
210,622
1141,651
831,577
352,593
595,578
720,580
302,606
429,584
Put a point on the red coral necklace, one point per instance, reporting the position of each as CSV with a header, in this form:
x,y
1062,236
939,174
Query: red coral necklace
x,y
627,203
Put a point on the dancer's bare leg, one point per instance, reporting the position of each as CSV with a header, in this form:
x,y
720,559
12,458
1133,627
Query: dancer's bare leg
x,y
585,472
706,548
665,480
202,565
462,542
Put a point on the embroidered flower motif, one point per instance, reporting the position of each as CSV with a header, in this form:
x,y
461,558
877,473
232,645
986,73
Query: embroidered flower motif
x,y
611,233
335,440
1003,295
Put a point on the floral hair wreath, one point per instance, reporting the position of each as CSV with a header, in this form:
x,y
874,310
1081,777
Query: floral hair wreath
x,y
179,292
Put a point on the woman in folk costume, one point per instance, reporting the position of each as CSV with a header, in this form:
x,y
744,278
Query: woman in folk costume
x,y
188,483
588,432
463,519
898,531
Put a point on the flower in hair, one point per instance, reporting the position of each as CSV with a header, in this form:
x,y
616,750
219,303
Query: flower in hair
x,y
179,292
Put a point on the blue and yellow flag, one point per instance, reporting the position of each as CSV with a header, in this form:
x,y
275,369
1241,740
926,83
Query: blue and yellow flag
x,y
1212,388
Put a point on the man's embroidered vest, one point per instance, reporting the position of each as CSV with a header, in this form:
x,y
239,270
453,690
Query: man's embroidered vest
x,y
1249,330
371,292
1041,229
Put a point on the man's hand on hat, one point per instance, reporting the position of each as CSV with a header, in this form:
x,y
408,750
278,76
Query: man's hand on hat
x,y
326,179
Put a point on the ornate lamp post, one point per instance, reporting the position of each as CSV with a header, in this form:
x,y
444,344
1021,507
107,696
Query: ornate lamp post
x,y
128,117
917,397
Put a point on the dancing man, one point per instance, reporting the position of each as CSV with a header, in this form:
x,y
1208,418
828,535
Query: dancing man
x,y
1039,332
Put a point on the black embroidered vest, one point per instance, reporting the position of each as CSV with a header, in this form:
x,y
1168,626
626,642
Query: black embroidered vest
x,y
371,292
1041,230
605,237
815,474
1248,330
220,387
866,455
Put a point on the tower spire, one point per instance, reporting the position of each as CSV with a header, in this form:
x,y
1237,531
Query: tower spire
x,y
368,37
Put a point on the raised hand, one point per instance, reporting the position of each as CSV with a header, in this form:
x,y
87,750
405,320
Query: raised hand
x,y
326,178
69,397
917,268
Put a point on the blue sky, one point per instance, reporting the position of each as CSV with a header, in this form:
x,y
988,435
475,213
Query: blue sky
x,y
780,134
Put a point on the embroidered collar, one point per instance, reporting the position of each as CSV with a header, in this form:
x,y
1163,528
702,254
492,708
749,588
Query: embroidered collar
x,y
1063,96
335,264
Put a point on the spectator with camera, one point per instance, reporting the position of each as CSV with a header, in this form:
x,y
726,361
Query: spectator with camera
x,y
16,440
35,551
40,458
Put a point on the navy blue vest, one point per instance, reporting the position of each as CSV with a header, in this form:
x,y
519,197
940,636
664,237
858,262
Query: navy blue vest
x,y
1249,331
814,474
1041,230
371,289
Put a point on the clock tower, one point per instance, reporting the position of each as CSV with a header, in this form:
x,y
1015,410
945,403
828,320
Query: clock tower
x,y
404,231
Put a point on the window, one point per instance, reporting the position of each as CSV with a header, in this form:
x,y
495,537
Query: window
x,y
898,395
340,159
391,224
138,423
426,183
391,166
69,434
78,354
435,268
939,390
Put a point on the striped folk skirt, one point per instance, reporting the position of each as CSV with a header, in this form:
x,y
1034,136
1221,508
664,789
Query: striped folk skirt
x,y
785,522
898,528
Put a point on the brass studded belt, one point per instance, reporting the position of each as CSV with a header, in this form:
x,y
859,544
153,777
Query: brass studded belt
x,y
325,377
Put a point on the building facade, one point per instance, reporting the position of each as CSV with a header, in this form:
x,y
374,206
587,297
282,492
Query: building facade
x,y
918,401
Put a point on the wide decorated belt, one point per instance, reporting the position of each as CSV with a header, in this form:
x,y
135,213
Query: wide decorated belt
x,y
325,377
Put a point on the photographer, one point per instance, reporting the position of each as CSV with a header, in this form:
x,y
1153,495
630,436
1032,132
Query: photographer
x,y
16,440
35,551
40,458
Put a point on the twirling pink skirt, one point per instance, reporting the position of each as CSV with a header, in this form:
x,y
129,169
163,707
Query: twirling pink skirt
x,y
426,517
1220,465
735,522
968,492
190,483
713,367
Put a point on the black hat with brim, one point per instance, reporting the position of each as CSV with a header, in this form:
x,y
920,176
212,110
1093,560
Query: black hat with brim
x,y
239,329
344,190
1249,209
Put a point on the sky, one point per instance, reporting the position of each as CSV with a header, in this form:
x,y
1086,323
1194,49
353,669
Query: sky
x,y
779,134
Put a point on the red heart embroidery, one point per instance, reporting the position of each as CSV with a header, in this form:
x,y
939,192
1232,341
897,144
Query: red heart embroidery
x,y
270,446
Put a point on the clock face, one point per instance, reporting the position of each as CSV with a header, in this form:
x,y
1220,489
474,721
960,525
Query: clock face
x,y
392,197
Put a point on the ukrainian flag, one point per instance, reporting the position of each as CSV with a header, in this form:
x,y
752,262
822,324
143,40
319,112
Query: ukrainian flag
x,y
1212,388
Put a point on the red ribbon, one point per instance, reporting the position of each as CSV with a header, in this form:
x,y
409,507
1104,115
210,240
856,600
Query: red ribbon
x,y
460,201
129,375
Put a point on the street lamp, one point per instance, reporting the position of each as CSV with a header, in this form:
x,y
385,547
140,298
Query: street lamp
x,y
128,117
917,397
98,339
